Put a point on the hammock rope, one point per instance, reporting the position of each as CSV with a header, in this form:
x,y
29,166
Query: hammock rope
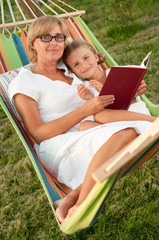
x,y
28,10
20,10
67,5
37,6
2,12
11,10
53,11
62,9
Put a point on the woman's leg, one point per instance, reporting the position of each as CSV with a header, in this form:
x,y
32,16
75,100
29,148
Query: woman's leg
x,y
85,125
109,148
111,115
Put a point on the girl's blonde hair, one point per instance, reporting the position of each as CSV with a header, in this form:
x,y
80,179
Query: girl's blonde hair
x,y
41,26
81,43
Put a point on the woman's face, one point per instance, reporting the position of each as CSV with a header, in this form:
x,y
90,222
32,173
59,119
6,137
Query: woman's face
x,y
49,51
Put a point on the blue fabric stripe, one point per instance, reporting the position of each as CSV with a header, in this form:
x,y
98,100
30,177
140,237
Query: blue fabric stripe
x,y
20,49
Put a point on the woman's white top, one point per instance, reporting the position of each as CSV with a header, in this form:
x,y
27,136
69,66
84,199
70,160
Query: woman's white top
x,y
68,155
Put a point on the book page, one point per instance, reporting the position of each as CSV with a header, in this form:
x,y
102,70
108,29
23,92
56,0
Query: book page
x,y
144,63
146,60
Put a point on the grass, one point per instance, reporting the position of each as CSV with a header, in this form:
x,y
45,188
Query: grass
x,y
131,212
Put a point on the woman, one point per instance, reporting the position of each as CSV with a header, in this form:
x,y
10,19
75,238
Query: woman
x,y
47,101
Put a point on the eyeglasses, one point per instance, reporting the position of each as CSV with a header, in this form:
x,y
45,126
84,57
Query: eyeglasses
x,y
48,38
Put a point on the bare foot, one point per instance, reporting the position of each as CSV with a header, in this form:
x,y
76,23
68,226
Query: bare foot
x,y
63,205
70,213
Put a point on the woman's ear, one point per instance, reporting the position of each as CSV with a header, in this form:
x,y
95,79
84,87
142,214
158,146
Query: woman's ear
x,y
32,46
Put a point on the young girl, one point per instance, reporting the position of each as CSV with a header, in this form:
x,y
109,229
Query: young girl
x,y
83,60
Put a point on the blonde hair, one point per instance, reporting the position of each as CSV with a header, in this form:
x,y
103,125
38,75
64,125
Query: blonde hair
x,y
41,26
81,43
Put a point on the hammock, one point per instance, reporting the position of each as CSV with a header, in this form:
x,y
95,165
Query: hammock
x,y
106,176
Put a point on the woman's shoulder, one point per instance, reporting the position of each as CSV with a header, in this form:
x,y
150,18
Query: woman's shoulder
x,y
23,83
69,73
27,70
24,73
24,79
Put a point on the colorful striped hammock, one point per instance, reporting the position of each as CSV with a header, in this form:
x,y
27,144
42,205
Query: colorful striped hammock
x,y
13,55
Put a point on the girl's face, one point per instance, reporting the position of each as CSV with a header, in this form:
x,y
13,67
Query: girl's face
x,y
49,51
83,62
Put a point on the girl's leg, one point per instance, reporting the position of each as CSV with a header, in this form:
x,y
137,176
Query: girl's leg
x,y
85,125
111,115
109,148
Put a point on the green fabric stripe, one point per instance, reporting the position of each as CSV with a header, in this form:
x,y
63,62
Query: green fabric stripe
x,y
153,108
11,51
4,55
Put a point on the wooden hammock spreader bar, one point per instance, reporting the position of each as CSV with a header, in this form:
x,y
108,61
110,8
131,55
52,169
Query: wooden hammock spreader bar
x,y
129,153
26,22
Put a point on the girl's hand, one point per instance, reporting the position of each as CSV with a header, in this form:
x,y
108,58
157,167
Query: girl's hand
x,y
97,85
141,89
84,92
97,104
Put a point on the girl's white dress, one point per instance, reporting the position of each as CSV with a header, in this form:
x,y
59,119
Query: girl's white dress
x,y
68,155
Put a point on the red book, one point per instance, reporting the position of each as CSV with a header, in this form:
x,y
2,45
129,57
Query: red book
x,y
123,82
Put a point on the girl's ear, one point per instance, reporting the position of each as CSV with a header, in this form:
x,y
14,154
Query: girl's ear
x,y
97,57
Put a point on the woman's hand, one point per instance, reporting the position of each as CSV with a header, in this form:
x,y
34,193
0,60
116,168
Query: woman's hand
x,y
97,85
97,104
141,89
84,92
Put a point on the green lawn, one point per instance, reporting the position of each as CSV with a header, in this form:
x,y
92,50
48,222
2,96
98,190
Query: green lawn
x,y
131,212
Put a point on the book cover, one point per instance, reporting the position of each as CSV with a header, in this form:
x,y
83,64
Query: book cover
x,y
123,82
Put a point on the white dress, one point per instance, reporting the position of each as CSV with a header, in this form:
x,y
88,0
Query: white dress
x,y
68,155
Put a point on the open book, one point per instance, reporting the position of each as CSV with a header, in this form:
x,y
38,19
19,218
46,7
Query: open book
x,y
123,82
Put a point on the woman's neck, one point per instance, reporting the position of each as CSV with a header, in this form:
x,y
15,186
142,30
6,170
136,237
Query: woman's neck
x,y
44,69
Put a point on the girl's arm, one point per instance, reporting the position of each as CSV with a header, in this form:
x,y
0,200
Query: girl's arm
x,y
141,89
40,131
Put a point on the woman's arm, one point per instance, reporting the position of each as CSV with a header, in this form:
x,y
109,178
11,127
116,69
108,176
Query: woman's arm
x,y
29,112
